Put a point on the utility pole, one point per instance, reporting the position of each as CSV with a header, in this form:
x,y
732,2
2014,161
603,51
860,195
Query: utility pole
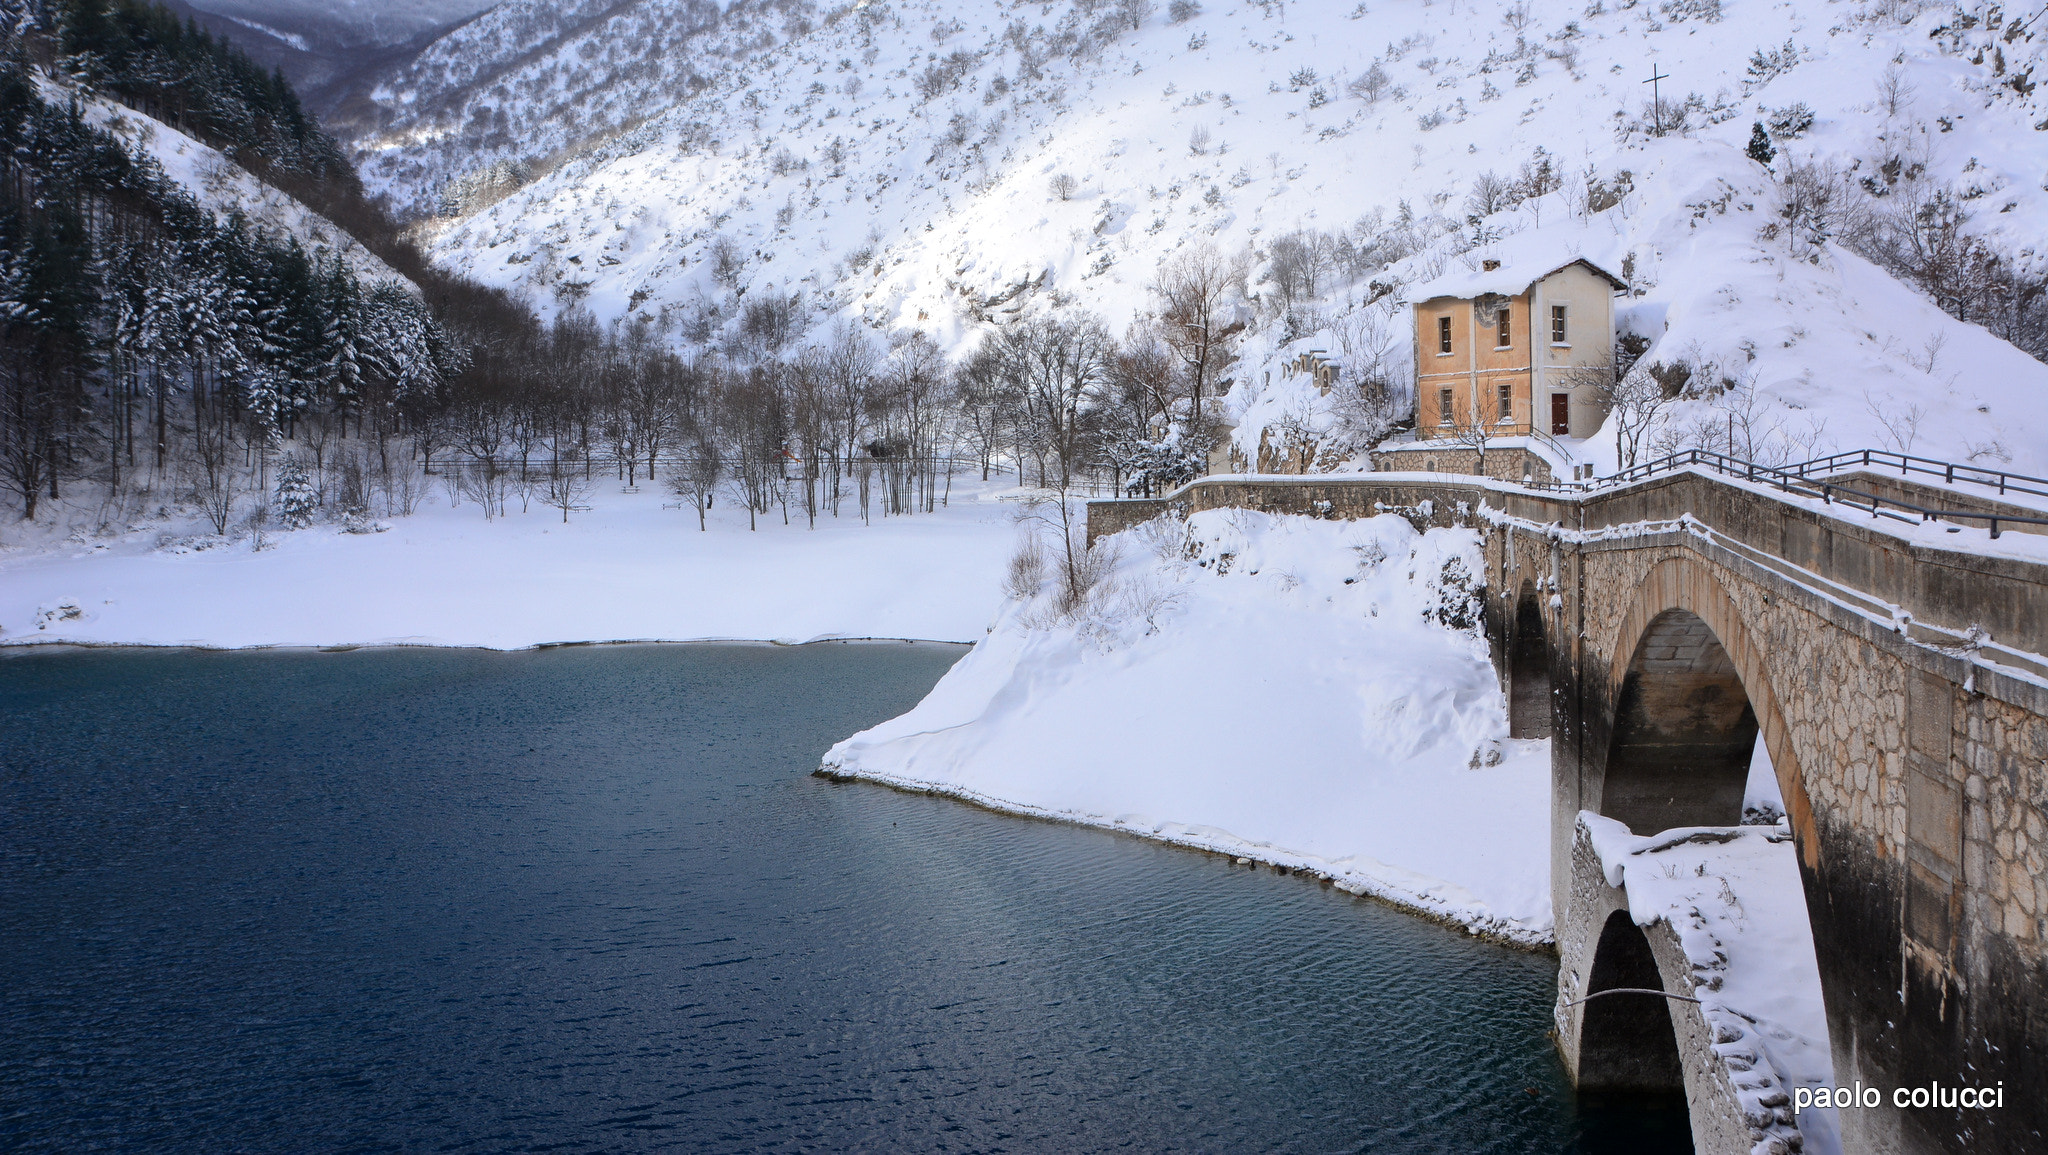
x,y
1657,97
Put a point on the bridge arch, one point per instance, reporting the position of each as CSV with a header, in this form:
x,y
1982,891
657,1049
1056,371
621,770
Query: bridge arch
x,y
1626,1041
1691,696
1529,705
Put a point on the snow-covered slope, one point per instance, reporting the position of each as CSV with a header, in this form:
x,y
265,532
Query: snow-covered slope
x,y
360,21
533,80
1301,692
225,187
894,161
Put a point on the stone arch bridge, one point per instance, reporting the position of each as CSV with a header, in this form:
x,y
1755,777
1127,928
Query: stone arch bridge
x,y
1654,631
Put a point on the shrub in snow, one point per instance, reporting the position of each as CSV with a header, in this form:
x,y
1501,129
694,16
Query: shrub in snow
x,y
1027,568
1678,11
1152,468
1767,64
1456,605
1372,85
296,500
1790,122
1182,11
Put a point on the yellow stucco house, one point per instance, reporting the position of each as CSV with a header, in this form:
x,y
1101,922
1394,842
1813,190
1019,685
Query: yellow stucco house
x,y
1514,350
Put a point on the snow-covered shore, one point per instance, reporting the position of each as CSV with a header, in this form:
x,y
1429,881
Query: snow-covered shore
x,y
627,569
1283,689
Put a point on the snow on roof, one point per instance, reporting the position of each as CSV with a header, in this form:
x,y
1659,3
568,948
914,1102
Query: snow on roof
x,y
1520,261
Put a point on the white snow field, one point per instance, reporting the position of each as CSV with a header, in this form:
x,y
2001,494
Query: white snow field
x,y
1278,688
628,569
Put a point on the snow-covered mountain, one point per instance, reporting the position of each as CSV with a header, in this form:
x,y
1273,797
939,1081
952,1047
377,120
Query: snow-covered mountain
x,y
533,81
944,166
357,22
223,187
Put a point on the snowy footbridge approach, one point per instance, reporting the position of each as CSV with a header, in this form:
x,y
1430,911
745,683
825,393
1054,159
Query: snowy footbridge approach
x,y
1883,630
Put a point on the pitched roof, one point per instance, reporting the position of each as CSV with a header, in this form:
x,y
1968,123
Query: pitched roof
x,y
1525,258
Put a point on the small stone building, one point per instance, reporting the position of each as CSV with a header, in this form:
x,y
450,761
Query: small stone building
x,y
1515,351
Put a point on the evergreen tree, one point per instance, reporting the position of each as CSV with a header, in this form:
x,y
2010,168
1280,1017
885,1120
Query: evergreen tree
x,y
296,498
1760,148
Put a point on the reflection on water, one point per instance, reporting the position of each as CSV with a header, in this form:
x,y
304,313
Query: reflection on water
x,y
591,899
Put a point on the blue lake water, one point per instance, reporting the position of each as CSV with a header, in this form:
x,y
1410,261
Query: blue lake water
x,y
592,899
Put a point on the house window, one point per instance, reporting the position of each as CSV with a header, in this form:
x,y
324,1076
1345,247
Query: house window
x,y
1443,334
1504,333
1507,404
1558,331
1443,407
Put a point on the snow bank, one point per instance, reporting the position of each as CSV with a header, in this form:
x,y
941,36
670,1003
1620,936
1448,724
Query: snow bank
x,y
627,569
1279,688
1734,897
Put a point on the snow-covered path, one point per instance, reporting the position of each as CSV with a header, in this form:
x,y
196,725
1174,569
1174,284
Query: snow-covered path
x,y
628,569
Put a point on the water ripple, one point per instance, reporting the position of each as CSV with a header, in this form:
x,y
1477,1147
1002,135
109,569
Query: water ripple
x,y
591,899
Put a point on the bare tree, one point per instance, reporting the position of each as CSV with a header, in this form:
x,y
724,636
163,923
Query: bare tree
x,y
1473,432
1894,92
566,487
695,474
1370,85
216,480
1196,292
1299,262
1633,401
1898,425
1063,185
1080,569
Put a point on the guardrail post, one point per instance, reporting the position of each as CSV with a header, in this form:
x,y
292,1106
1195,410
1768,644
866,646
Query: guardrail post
x,y
1951,478
1994,529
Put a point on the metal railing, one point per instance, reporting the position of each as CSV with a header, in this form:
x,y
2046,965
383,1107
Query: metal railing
x,y
1907,465
1801,480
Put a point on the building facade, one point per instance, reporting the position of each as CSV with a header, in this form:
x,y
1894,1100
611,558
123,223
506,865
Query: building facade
x,y
1509,355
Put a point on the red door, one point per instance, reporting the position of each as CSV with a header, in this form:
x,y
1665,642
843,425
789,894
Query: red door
x,y
1561,414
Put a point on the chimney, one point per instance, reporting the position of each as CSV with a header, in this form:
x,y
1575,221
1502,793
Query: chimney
x,y
1489,265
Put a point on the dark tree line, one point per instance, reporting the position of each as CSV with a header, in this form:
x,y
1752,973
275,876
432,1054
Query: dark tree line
x,y
126,308
145,56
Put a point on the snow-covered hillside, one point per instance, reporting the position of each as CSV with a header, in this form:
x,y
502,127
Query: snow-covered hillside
x,y
899,162
354,21
225,187
530,81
